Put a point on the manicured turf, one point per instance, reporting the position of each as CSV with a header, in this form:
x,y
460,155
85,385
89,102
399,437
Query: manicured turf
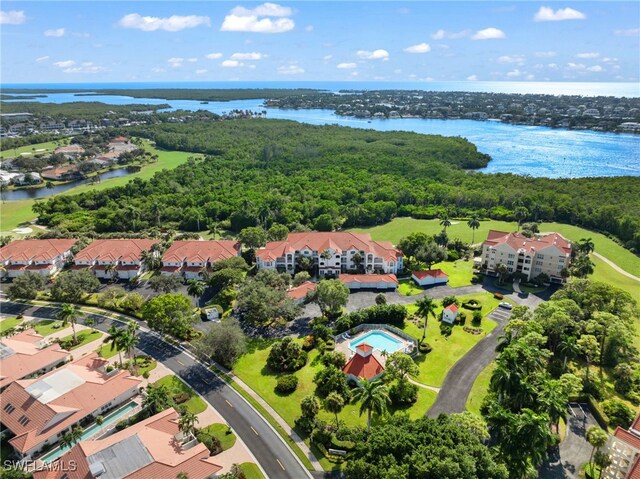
x,y
460,272
408,287
605,273
48,146
448,350
195,405
480,389
9,323
223,433
105,351
46,327
85,337
251,471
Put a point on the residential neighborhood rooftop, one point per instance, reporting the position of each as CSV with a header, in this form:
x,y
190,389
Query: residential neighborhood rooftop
x,y
110,250
201,251
35,249
518,241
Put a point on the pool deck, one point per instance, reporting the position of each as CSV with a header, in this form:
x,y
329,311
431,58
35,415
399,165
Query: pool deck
x,y
342,344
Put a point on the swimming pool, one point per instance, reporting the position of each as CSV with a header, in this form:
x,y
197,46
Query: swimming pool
x,y
378,340
92,430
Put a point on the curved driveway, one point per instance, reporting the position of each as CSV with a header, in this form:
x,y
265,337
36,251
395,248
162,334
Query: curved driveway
x,y
275,457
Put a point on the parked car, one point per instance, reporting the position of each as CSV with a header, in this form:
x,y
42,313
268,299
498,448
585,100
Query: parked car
x,y
505,305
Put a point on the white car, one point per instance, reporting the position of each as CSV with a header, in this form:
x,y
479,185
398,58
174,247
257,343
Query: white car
x,y
505,305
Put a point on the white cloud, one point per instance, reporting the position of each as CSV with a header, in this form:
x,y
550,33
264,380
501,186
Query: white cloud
x,y
419,48
308,28
326,58
158,70
213,56
545,54
265,10
248,56
42,59
442,34
609,60
354,74
65,64
201,71
290,70
175,62
595,68
546,14
588,55
231,64
192,60
174,23
519,59
575,66
374,55
12,17
514,73
490,33
235,23
552,66
86,67
346,66
57,32
472,77
630,32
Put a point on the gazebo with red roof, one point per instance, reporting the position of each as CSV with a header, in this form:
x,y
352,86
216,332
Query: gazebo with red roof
x,y
363,364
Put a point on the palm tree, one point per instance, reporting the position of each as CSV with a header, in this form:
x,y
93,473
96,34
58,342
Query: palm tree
x,y
326,254
134,213
521,214
150,260
373,397
111,269
195,288
100,422
72,437
504,380
586,246
187,421
555,401
70,314
156,210
445,222
426,307
114,338
582,266
128,342
502,271
569,347
474,224
204,273
334,403
597,438
157,399
214,229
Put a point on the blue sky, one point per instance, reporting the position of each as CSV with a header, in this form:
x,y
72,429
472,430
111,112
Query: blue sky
x,y
82,41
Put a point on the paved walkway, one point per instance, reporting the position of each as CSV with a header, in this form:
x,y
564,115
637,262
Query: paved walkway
x,y
615,266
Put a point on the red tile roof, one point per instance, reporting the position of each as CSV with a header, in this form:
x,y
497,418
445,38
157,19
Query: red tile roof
x,y
35,249
634,473
157,436
364,347
70,149
302,291
28,357
91,389
113,250
452,307
321,241
366,367
636,424
627,437
369,278
201,251
518,241
434,273
55,173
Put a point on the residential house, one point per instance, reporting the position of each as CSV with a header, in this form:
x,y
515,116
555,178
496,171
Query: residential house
x,y
192,258
548,253
624,450
331,254
42,256
28,354
363,364
450,313
300,293
387,282
114,258
68,172
38,412
153,448
430,277
70,152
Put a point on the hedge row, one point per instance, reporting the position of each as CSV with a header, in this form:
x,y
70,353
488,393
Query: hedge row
x,y
393,314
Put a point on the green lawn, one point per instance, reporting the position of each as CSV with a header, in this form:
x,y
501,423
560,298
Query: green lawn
x,y
251,471
408,287
105,351
85,337
9,323
47,327
480,389
48,147
605,273
460,272
15,213
223,433
195,405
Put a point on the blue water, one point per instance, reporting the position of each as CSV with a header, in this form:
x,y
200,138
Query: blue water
x,y
92,430
526,150
378,340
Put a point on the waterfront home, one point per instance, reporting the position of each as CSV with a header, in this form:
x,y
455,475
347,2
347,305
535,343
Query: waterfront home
x,y
63,173
38,412
42,256
193,258
430,277
330,254
114,258
386,282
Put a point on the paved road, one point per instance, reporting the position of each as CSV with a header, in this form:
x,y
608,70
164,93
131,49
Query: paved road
x,y
267,446
457,385
565,461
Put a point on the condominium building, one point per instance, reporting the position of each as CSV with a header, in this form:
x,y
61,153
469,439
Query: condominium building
x,y
546,253
191,258
114,258
331,254
42,256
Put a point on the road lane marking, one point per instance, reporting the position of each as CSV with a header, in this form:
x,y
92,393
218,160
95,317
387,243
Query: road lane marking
x,y
230,405
180,362
278,461
256,432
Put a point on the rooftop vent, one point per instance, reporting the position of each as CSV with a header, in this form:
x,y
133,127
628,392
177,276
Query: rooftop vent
x,y
97,469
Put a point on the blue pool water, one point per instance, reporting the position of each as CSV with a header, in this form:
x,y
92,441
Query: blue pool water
x,y
92,430
378,340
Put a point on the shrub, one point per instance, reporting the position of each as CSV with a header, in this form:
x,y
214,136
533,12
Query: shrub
x,y
619,413
343,445
287,384
286,355
393,314
477,318
594,388
321,434
425,348
331,379
472,305
146,374
305,424
453,255
381,299
321,331
212,443
448,300
462,318
334,358
308,343
446,329
181,397
330,345
403,393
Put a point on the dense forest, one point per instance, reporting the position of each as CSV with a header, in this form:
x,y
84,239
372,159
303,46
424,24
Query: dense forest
x,y
76,110
324,177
